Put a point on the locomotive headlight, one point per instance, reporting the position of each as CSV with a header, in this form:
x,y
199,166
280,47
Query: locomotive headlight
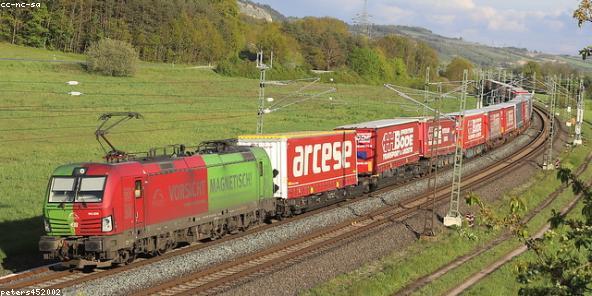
x,y
46,225
107,224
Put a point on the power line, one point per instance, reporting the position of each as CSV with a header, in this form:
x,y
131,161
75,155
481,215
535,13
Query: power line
x,y
120,82
94,126
127,94
123,132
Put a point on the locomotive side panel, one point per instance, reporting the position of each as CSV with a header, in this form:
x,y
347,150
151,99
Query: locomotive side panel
x,y
175,195
232,180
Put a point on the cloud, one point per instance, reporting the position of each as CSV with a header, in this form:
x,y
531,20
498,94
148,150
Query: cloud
x,y
443,19
391,14
535,24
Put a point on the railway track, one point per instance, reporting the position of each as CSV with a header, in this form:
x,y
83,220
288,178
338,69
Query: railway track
x,y
505,236
45,277
492,267
222,276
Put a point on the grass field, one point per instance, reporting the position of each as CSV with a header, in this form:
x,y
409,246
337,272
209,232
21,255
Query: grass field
x,y
390,274
41,126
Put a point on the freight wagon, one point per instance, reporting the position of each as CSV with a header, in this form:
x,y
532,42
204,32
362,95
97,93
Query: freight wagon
x,y
311,168
473,130
495,125
445,137
99,214
385,147
508,118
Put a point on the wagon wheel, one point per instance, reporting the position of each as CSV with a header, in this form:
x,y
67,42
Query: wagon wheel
x,y
161,251
131,257
217,232
126,257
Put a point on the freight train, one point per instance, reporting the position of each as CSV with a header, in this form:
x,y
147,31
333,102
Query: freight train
x,y
100,214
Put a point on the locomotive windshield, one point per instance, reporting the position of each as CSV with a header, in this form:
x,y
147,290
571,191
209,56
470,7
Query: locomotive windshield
x,y
81,189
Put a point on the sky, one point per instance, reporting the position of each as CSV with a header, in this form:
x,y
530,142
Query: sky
x,y
542,25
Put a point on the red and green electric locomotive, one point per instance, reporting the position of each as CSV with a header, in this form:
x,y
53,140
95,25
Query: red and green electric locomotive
x,y
97,214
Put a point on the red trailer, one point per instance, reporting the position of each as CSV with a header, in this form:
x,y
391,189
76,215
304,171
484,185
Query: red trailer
x,y
494,122
309,163
385,144
474,127
508,117
526,113
445,139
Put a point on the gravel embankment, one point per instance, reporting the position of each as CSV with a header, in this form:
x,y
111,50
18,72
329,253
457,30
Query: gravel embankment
x,y
134,280
390,239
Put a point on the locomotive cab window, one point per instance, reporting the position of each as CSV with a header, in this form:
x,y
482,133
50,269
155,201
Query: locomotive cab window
x,y
138,189
62,189
82,189
91,189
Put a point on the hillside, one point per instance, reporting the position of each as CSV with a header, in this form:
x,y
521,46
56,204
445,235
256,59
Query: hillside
x,y
478,53
447,47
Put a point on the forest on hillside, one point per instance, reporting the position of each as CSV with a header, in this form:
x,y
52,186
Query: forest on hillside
x,y
214,32
210,32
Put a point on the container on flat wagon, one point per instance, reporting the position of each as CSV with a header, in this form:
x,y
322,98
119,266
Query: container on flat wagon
x,y
474,127
308,162
385,144
508,117
526,97
445,135
520,111
494,121
527,108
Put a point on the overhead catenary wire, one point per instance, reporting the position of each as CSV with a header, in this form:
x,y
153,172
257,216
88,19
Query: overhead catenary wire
x,y
124,132
147,122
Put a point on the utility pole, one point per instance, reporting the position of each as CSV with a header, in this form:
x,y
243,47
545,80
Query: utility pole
x,y
568,100
429,215
262,69
579,115
548,157
453,217
426,90
481,90
363,21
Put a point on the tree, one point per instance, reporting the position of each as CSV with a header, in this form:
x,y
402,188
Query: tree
x,y
454,70
112,57
583,14
369,64
417,56
324,42
563,264
530,68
